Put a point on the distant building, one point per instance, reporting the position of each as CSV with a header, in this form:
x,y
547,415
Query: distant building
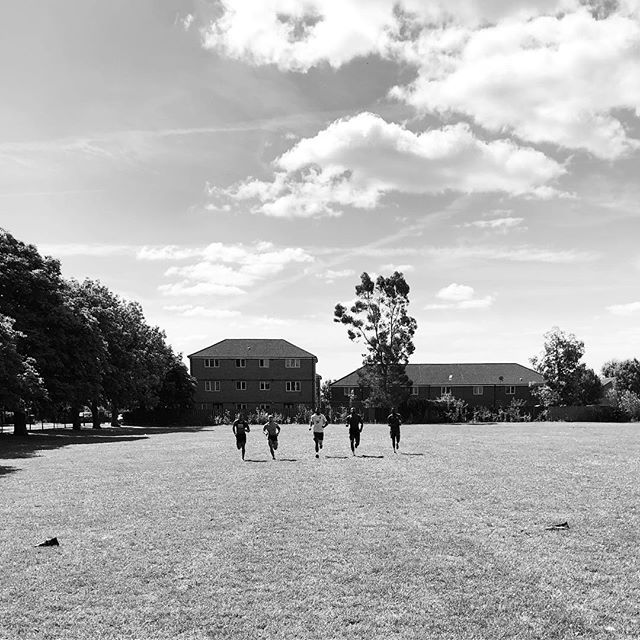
x,y
492,385
254,373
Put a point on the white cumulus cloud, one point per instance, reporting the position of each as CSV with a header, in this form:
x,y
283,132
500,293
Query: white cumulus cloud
x,y
557,79
356,161
222,269
460,296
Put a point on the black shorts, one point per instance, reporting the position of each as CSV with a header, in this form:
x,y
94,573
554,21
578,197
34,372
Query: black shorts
x,y
241,440
318,436
273,442
354,434
394,433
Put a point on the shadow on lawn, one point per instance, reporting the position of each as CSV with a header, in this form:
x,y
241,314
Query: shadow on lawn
x,y
411,454
364,455
15,447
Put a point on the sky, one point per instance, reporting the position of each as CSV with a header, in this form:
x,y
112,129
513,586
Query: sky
x,y
235,165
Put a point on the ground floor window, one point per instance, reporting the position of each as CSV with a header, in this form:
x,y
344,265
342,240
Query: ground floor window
x,y
265,407
241,406
511,390
445,391
478,391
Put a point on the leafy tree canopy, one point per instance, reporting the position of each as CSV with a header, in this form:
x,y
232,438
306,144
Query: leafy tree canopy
x,y
379,320
626,374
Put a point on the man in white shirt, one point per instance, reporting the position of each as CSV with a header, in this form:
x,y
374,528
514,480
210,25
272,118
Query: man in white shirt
x,y
317,423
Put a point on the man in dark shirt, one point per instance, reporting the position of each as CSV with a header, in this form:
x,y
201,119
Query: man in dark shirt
x,y
271,430
394,421
355,425
240,429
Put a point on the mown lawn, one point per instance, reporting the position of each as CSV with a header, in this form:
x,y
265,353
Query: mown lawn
x,y
173,536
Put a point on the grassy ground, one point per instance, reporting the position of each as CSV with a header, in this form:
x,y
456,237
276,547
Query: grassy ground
x,y
173,536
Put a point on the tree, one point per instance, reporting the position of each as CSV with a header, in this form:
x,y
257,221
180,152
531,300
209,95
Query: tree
x,y
380,321
51,329
178,386
626,374
20,382
567,380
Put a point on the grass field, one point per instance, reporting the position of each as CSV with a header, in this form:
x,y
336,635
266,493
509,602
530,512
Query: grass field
x,y
173,536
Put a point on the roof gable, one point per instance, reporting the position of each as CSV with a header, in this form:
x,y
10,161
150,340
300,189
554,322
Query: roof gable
x,y
252,348
460,374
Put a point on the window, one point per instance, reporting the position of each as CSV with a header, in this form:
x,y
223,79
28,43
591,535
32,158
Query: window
x,y
241,385
211,362
292,363
263,363
241,406
241,363
293,386
414,391
212,385
265,385
348,391
265,407
445,391
511,391
478,391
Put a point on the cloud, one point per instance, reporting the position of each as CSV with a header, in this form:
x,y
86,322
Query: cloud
x,y
356,161
222,269
297,36
189,311
85,249
331,275
558,79
523,253
402,268
502,225
459,296
624,309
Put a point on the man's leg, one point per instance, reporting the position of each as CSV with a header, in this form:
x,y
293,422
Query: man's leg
x,y
352,440
243,445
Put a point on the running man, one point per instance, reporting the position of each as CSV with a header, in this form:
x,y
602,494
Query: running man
x,y
394,421
355,424
240,429
271,430
318,422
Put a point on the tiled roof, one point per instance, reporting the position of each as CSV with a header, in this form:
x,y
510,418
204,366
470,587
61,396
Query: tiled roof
x,y
252,348
476,373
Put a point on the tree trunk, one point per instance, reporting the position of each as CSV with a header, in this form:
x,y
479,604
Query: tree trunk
x,y
20,424
114,415
76,422
95,414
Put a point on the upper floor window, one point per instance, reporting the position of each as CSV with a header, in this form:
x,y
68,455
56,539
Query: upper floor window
x,y
211,362
445,391
293,385
511,390
263,363
478,391
212,385
241,363
414,391
241,385
265,385
292,363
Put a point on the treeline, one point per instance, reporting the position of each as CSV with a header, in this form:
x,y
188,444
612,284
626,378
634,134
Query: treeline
x,y
65,345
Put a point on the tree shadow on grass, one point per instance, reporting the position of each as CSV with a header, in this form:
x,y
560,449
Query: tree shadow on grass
x,y
337,457
17,447
250,460
403,453
364,455
287,459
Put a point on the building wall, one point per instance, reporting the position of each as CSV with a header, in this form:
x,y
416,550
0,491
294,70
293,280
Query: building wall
x,y
227,374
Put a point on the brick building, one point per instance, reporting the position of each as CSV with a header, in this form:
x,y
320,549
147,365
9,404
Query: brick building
x,y
254,373
492,385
